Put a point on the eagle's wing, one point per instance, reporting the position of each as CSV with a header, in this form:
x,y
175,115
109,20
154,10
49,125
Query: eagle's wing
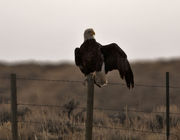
x,y
78,60
115,58
77,56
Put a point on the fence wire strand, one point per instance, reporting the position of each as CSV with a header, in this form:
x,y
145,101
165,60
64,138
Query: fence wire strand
x,y
78,81
95,108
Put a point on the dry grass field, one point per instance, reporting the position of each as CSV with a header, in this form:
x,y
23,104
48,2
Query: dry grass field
x,y
54,124
67,120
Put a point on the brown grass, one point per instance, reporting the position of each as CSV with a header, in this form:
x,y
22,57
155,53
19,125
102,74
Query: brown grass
x,y
53,123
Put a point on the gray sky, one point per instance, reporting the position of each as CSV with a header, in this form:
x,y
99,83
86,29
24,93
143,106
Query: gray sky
x,y
51,29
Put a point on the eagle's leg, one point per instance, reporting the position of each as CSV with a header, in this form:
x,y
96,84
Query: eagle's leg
x,y
86,80
100,79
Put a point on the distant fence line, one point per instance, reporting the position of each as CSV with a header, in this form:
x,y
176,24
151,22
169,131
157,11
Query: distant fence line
x,y
14,104
95,108
78,81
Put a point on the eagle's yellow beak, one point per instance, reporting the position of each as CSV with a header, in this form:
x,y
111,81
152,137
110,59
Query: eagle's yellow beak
x,y
93,33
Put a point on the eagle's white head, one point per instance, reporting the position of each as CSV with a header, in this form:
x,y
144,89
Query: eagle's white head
x,y
89,34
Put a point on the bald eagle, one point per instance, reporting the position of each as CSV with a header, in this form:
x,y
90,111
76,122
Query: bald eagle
x,y
92,57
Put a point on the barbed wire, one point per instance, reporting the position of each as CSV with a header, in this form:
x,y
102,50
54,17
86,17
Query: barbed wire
x,y
82,82
129,110
47,105
95,108
146,85
108,127
51,80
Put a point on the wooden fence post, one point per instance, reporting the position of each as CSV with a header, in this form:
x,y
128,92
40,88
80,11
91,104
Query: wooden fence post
x,y
14,126
167,106
90,102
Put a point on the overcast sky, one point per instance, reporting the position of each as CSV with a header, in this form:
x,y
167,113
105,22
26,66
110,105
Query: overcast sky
x,y
49,30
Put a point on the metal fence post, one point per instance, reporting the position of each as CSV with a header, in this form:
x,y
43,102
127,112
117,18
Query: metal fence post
x,y
167,106
14,125
90,102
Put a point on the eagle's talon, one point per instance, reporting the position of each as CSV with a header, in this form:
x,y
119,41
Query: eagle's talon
x,y
97,83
